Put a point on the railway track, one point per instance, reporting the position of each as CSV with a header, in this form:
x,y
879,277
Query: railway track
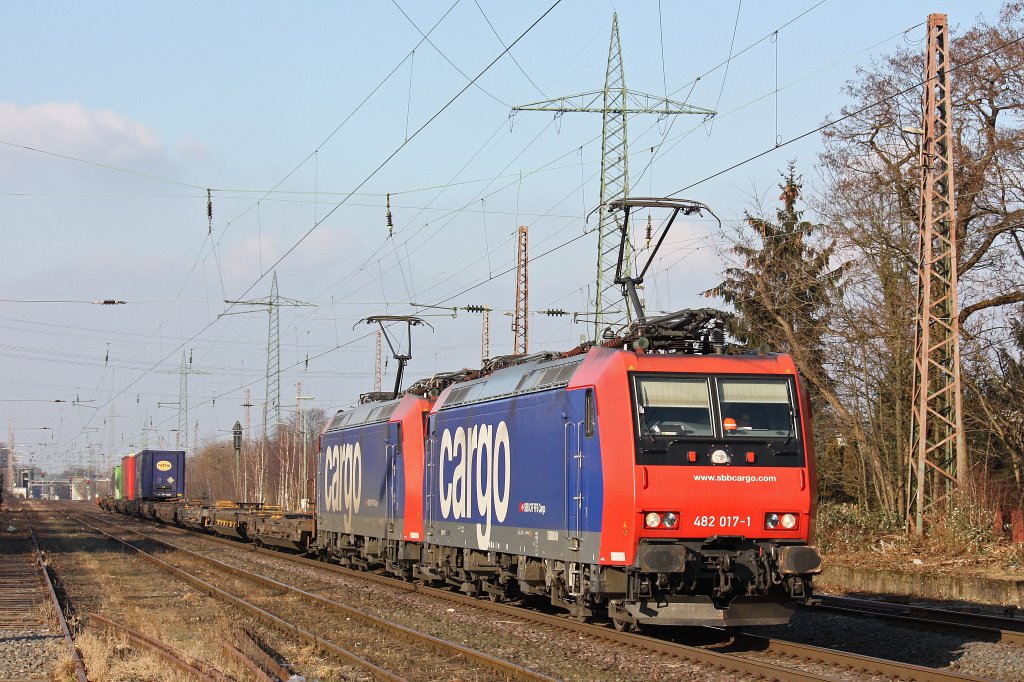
x,y
984,627
293,614
22,590
28,600
764,657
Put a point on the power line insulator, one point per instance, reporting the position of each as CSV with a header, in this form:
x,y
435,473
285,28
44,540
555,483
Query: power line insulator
x,y
391,222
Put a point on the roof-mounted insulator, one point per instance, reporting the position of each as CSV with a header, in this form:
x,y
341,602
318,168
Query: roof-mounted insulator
x,y
391,223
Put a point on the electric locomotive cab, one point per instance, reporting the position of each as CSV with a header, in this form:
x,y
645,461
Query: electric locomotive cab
x,y
725,492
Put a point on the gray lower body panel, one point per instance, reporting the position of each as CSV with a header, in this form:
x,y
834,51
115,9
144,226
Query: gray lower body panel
x,y
701,611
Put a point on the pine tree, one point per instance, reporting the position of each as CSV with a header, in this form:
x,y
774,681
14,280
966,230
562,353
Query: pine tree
x,y
784,284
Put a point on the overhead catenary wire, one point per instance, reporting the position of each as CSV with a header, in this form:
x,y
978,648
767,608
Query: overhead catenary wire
x,y
728,61
511,56
408,246
830,123
370,176
444,56
107,166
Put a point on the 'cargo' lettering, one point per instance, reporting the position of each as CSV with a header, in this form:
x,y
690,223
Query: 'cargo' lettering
x,y
343,480
477,482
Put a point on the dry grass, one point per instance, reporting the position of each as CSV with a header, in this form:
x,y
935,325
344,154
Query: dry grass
x,y
123,587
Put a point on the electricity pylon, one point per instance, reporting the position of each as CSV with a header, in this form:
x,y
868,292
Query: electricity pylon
x,y
181,439
938,457
378,364
181,435
615,102
273,303
520,325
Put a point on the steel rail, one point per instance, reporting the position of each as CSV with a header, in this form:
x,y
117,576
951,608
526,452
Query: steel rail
x,y
821,655
858,662
76,658
252,666
500,665
830,657
266,616
729,663
247,644
983,626
194,666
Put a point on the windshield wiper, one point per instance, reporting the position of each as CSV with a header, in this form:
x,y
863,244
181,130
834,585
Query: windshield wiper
x,y
646,431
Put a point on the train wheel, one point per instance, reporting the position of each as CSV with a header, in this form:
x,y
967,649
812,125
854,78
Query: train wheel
x,y
623,625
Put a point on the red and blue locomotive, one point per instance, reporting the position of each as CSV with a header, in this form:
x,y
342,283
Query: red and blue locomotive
x,y
672,489
653,478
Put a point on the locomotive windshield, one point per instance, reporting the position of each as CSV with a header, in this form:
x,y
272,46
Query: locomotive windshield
x,y
674,407
755,408
686,418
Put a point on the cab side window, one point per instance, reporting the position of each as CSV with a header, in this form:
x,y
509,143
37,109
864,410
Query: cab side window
x,y
590,424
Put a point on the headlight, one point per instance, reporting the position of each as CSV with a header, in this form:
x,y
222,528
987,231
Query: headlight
x,y
719,457
781,521
661,520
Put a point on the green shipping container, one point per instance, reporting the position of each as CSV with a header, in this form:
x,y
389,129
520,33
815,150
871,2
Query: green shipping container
x,y
117,482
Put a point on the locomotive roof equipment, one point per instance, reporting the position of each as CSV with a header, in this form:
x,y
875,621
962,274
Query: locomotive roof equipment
x,y
699,331
403,358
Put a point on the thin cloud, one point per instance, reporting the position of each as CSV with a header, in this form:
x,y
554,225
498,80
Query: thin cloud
x,y
68,128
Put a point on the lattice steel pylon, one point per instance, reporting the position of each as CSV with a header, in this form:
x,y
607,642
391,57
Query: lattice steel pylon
x,y
938,457
617,102
9,476
272,401
485,335
521,322
182,405
378,364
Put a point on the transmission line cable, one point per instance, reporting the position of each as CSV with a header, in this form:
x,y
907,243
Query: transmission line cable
x,y
357,188
852,114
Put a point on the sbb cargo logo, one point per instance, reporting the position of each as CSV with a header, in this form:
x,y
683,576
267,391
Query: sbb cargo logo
x,y
481,473
532,508
343,480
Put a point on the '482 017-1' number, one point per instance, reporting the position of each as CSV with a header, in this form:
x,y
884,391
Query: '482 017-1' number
x,y
721,521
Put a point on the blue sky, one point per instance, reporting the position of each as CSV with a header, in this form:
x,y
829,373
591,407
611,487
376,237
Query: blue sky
x,y
133,109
